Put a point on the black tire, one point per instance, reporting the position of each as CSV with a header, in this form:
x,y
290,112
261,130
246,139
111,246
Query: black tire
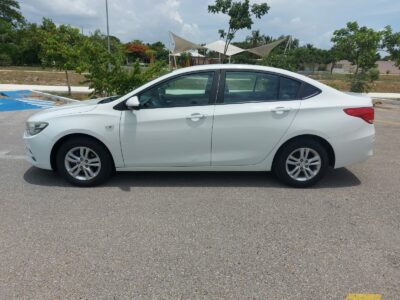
x,y
107,165
279,166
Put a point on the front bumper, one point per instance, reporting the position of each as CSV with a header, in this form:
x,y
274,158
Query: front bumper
x,y
38,150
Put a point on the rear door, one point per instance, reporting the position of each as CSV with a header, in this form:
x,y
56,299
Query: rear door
x,y
254,111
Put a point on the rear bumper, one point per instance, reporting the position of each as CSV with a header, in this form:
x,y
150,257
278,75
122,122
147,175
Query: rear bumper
x,y
38,150
353,148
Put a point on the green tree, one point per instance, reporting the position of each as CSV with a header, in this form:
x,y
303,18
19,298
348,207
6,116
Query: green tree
x,y
391,42
240,16
151,55
333,56
95,61
256,39
136,50
115,43
359,45
60,47
8,47
161,52
280,60
10,12
10,20
119,79
30,45
310,57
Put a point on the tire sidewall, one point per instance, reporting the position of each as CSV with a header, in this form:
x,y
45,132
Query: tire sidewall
x,y
279,167
107,165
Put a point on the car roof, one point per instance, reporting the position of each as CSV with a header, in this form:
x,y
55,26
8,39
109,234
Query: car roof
x,y
247,67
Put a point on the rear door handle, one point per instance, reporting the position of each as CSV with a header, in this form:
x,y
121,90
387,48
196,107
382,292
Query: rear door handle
x,y
196,117
280,110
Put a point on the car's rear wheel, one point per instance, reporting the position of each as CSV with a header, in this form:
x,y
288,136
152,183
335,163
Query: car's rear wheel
x,y
301,163
84,162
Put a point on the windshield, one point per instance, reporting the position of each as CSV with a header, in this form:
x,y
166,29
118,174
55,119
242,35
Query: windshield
x,y
109,99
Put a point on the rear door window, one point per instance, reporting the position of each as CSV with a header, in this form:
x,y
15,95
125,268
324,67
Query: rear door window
x,y
289,89
246,86
250,87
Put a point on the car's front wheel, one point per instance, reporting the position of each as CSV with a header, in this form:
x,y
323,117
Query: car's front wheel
x,y
84,162
301,163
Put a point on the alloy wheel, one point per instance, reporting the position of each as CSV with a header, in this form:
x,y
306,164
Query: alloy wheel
x,y
82,163
303,164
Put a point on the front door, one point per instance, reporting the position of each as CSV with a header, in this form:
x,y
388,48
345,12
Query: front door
x,y
173,126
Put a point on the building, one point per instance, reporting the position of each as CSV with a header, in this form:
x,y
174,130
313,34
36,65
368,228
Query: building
x,y
388,67
384,67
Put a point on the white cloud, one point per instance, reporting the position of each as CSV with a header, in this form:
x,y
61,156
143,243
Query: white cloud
x,y
312,21
296,20
191,31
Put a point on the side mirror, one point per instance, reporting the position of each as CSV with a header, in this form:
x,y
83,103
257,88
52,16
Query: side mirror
x,y
133,103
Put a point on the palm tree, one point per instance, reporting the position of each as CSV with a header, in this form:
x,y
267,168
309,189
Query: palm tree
x,y
255,39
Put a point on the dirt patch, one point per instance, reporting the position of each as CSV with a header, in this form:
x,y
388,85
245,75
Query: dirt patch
x,y
46,77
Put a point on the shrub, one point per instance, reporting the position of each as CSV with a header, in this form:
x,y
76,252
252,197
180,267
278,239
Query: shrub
x,y
5,60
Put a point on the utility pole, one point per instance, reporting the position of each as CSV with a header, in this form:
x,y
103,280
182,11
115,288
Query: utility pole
x,y
108,37
108,29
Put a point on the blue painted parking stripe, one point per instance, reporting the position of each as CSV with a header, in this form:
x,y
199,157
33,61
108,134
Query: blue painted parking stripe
x,y
21,100
7,104
16,94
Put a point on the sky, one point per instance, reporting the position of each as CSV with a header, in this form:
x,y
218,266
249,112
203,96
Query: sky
x,y
311,21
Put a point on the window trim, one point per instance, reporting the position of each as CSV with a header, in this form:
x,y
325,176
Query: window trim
x,y
211,100
221,90
303,85
218,87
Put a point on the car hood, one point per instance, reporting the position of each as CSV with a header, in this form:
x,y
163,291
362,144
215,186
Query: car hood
x,y
63,110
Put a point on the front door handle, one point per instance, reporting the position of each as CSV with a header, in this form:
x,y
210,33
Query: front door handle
x,y
196,117
280,110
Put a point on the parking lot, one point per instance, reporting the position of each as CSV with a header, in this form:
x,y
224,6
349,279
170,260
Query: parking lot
x,y
200,235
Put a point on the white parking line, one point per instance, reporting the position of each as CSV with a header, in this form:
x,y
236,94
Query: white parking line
x,y
4,155
40,103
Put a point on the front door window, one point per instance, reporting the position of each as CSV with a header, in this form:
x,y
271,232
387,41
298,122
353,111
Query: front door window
x,y
183,91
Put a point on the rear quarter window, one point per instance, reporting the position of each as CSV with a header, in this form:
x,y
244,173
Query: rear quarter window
x,y
308,91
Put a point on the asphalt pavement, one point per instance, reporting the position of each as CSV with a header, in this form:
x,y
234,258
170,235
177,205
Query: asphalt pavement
x,y
200,235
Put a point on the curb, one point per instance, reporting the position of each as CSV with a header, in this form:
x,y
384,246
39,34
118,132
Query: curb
x,y
56,98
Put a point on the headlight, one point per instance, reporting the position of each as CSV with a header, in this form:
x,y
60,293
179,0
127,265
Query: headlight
x,y
33,128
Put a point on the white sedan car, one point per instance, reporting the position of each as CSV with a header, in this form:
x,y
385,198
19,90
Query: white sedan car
x,y
207,118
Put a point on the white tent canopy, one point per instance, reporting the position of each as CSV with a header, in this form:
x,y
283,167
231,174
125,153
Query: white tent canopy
x,y
193,53
219,46
181,45
265,50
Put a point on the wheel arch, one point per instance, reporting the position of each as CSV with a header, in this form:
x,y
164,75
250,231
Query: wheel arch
x,y
321,140
61,140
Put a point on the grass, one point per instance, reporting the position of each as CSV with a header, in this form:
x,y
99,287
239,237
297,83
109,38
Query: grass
x,y
385,83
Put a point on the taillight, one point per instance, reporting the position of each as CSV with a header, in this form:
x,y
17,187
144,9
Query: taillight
x,y
365,113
